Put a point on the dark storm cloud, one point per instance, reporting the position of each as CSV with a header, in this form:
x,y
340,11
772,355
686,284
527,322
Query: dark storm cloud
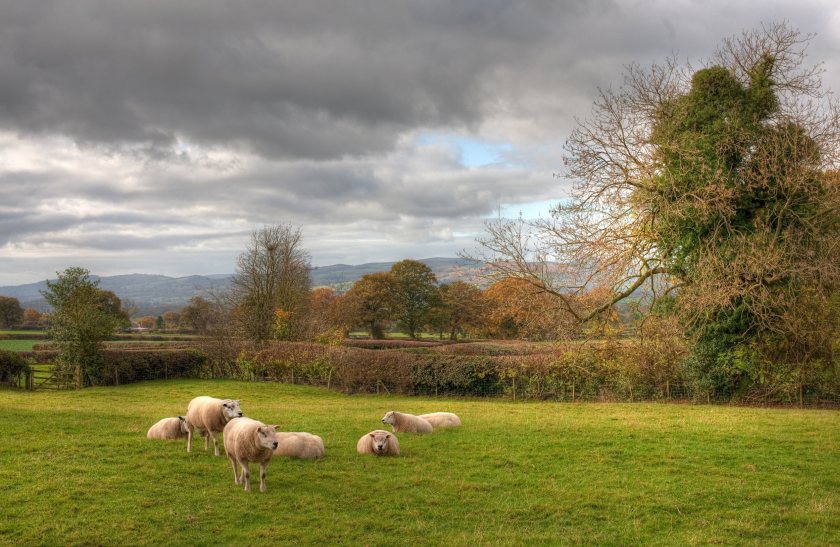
x,y
295,79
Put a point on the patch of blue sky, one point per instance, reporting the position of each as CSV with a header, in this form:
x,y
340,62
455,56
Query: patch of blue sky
x,y
532,209
473,152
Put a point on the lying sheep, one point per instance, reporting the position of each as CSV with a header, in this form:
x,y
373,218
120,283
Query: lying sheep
x,y
378,442
246,441
305,446
210,415
406,423
441,420
169,428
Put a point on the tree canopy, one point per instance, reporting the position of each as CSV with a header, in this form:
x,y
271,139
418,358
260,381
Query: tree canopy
x,y
715,189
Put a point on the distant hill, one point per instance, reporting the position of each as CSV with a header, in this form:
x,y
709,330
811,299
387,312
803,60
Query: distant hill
x,y
155,294
152,294
342,276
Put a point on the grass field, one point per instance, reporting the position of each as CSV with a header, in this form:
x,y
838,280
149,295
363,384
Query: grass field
x,y
76,468
19,345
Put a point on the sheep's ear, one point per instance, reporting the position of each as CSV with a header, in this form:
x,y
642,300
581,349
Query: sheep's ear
x,y
182,418
371,435
388,436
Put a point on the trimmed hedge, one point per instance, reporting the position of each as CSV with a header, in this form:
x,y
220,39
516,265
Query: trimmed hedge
x,y
123,367
132,366
13,367
571,373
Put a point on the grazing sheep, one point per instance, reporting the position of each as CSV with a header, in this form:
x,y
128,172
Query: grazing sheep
x,y
169,428
442,420
304,446
378,442
406,423
246,441
210,415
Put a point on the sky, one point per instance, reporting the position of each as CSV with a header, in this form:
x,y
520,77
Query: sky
x,y
156,136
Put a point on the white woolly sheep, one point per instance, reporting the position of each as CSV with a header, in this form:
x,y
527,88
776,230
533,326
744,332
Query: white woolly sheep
x,y
298,444
210,415
246,441
378,442
406,423
442,420
169,428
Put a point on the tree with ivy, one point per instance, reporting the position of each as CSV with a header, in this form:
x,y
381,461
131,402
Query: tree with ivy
x,y
83,316
716,189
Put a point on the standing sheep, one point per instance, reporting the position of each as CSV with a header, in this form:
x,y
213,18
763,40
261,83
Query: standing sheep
x,y
210,415
169,428
246,441
441,420
406,423
304,446
378,442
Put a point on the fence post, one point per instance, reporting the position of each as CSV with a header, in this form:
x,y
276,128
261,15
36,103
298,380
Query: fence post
x,y
78,378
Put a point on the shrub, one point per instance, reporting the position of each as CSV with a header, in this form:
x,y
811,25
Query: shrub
x,y
13,367
122,367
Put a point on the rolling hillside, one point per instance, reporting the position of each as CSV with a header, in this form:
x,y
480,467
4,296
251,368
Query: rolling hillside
x,y
155,294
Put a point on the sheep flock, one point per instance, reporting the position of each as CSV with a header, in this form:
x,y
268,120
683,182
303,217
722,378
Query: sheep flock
x,y
247,440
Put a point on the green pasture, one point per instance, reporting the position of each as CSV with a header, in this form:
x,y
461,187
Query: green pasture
x,y
19,345
76,468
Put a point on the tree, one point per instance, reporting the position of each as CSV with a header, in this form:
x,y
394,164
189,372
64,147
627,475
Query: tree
x,y
171,320
198,315
146,322
273,273
82,317
716,187
417,293
11,314
516,309
112,304
461,307
372,301
32,318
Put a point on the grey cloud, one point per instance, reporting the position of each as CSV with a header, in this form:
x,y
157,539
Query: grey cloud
x,y
195,122
292,79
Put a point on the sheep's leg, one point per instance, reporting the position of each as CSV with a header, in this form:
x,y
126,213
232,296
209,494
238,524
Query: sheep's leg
x,y
263,467
215,443
189,439
235,470
207,434
246,473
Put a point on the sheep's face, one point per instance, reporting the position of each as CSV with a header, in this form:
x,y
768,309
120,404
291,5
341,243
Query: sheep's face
x,y
389,418
380,440
231,409
267,436
182,422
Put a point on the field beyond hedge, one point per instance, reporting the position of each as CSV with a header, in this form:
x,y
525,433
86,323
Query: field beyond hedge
x,y
76,468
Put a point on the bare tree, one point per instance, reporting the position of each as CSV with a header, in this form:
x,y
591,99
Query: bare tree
x,y
272,274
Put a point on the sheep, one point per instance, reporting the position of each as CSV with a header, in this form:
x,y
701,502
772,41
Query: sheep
x,y
169,428
406,423
246,441
440,420
304,446
210,415
378,442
